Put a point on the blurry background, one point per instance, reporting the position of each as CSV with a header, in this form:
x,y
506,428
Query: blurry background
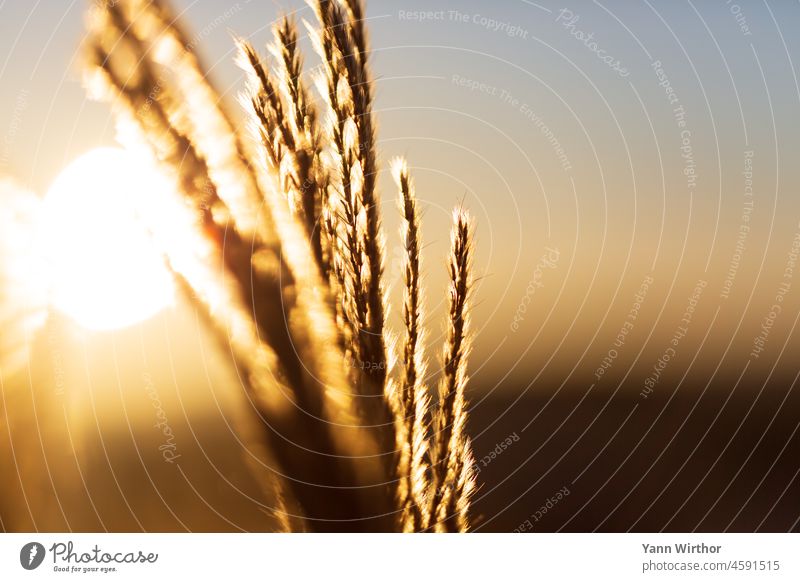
x,y
633,171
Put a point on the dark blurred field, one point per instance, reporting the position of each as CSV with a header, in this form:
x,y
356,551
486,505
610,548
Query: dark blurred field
x,y
728,461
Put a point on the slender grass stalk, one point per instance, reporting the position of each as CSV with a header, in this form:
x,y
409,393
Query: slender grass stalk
x,y
345,205
311,170
345,41
361,239
413,392
452,456
271,124
351,38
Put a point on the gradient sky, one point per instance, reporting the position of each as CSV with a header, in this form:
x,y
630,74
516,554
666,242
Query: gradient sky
x,y
477,99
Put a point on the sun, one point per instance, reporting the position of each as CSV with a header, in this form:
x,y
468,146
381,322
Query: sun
x,y
104,269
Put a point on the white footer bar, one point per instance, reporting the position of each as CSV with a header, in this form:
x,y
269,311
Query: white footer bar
x,y
389,557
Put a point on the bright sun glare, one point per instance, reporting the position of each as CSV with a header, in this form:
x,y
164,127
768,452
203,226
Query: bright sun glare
x,y
104,270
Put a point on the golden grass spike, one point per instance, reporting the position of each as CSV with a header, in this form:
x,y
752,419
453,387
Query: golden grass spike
x,y
287,52
308,149
361,240
349,38
333,194
343,136
452,461
271,123
345,206
352,39
355,445
355,11
414,397
293,149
